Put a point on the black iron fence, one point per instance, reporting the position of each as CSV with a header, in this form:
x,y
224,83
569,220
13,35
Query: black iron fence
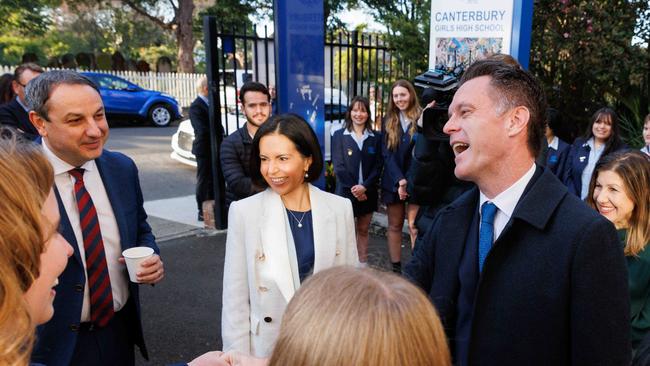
x,y
356,63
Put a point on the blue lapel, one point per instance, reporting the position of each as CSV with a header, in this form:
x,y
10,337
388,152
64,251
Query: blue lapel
x,y
111,184
66,227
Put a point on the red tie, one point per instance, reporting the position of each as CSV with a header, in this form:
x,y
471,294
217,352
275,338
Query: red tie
x,y
99,282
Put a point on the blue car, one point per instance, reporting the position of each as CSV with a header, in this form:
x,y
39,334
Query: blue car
x,y
122,98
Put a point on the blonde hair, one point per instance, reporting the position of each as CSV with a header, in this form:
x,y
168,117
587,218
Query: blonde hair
x,y
392,115
633,167
26,179
348,316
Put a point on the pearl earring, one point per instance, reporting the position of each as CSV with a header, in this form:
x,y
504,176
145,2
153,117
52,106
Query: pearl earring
x,y
306,175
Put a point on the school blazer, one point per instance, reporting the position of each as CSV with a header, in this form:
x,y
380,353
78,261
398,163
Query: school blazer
x,y
257,280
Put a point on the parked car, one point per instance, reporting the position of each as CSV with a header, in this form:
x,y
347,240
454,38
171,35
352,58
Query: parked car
x,y
334,119
184,137
123,98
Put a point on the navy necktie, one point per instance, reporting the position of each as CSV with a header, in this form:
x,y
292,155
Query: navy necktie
x,y
486,233
99,281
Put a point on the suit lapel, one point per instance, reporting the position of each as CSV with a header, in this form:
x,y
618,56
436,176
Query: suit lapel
x,y
67,231
274,242
111,186
324,230
453,240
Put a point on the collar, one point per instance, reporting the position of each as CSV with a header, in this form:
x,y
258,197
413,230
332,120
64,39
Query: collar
x,y
21,104
59,166
205,99
366,133
592,145
506,201
554,143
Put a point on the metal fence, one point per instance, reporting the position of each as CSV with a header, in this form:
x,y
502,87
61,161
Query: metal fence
x,y
355,64
179,85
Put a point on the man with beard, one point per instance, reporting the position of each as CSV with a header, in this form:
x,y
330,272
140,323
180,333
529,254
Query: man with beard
x,y
236,148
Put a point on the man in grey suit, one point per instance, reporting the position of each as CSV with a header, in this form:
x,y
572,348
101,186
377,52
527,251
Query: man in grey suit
x,y
520,271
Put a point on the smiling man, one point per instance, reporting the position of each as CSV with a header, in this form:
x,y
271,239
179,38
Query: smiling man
x,y
520,271
97,310
236,148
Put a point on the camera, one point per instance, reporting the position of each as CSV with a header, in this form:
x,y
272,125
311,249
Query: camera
x,y
438,86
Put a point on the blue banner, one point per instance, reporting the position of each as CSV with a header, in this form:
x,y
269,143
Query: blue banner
x,y
300,62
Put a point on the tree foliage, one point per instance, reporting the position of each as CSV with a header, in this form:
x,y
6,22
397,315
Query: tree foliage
x,y
583,53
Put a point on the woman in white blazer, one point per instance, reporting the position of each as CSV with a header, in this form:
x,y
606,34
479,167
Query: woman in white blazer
x,y
280,236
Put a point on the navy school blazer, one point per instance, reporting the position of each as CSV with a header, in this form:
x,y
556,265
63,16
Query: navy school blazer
x,y
556,159
577,160
346,157
56,339
397,162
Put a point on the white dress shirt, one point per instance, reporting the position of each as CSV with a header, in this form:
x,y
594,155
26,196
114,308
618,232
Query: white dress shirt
x,y
506,201
107,224
555,143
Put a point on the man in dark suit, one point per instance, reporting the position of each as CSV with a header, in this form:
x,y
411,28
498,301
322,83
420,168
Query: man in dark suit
x,y
520,271
16,112
236,148
97,310
200,119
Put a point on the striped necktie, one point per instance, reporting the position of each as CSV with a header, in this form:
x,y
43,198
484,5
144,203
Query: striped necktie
x,y
486,232
99,281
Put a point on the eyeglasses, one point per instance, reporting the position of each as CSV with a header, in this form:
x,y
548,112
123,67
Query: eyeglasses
x,y
21,84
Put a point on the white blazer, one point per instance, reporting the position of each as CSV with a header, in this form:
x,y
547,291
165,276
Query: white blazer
x,y
257,280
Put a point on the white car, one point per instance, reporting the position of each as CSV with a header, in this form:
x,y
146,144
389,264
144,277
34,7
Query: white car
x,y
184,137
334,120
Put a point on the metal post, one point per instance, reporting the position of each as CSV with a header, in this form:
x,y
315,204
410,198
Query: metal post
x,y
355,68
212,68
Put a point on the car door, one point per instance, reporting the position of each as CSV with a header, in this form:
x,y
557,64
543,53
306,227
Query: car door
x,y
120,96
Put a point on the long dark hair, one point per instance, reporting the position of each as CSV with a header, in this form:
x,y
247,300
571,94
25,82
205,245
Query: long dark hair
x,y
348,115
614,141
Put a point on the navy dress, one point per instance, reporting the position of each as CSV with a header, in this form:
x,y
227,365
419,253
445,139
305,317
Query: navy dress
x,y
303,238
346,158
396,165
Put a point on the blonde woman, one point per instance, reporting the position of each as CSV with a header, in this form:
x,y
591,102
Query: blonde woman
x,y
32,253
356,317
620,191
398,131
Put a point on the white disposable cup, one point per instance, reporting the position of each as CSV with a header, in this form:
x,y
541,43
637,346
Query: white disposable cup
x,y
133,257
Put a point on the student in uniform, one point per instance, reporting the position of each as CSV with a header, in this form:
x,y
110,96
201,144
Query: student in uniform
x,y
602,138
356,155
399,127
558,149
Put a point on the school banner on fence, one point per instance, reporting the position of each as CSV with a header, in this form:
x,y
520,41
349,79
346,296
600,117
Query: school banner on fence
x,y
465,30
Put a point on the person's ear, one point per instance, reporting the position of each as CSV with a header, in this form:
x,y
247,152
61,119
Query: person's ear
x,y
38,122
518,120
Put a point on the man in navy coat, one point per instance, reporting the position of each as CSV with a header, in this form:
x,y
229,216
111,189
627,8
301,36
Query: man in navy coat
x,y
16,112
520,271
97,309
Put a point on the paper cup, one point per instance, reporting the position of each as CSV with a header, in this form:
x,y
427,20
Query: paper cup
x,y
133,257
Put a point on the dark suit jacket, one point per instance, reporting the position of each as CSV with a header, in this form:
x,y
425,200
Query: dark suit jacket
x,y
200,120
556,159
346,157
553,290
56,339
12,114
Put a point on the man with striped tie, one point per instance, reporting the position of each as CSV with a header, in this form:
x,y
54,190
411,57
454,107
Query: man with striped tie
x,y
97,309
520,271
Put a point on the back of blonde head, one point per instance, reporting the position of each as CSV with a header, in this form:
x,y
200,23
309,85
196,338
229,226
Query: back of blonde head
x,y
26,178
359,317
